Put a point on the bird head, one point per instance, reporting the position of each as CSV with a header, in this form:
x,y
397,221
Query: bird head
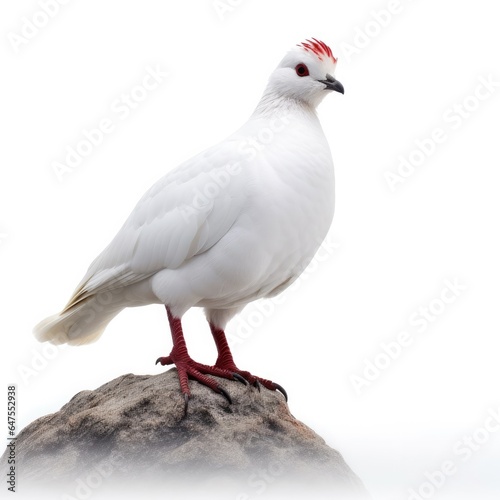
x,y
306,73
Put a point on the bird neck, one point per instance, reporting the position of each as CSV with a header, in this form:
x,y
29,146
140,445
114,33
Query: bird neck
x,y
273,104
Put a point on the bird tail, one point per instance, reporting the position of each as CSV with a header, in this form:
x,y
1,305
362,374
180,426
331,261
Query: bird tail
x,y
79,323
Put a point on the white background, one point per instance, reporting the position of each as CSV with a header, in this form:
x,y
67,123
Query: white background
x,y
394,249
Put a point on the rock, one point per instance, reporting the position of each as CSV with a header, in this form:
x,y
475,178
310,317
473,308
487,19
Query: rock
x,y
132,433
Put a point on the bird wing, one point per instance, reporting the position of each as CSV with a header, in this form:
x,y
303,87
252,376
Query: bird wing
x,y
182,215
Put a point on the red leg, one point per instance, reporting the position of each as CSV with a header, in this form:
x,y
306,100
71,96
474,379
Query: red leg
x,y
226,362
185,365
225,357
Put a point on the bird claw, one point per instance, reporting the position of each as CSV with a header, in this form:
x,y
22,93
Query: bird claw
x,y
225,394
239,378
270,385
186,401
164,360
282,390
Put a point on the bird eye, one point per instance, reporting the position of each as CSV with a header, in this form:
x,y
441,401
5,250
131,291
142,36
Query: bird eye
x,y
301,70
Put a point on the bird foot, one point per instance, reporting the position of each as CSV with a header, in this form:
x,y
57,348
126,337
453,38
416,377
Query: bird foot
x,y
188,368
254,380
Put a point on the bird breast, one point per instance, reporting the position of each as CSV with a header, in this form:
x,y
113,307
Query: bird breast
x,y
289,190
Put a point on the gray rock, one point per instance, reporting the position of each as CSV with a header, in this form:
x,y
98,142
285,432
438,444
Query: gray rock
x,y
132,434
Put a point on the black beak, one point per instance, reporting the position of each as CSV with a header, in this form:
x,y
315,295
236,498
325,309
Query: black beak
x,y
332,84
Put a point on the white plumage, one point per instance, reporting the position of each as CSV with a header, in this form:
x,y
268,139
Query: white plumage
x,y
238,222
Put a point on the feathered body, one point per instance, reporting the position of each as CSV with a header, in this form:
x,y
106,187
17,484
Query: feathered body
x,y
219,231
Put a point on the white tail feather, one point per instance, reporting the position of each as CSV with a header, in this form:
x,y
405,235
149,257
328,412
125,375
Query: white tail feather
x,y
81,324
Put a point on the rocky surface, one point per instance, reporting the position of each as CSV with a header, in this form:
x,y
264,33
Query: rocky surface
x,y
132,434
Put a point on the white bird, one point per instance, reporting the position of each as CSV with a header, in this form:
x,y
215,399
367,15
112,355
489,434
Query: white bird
x,y
238,222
